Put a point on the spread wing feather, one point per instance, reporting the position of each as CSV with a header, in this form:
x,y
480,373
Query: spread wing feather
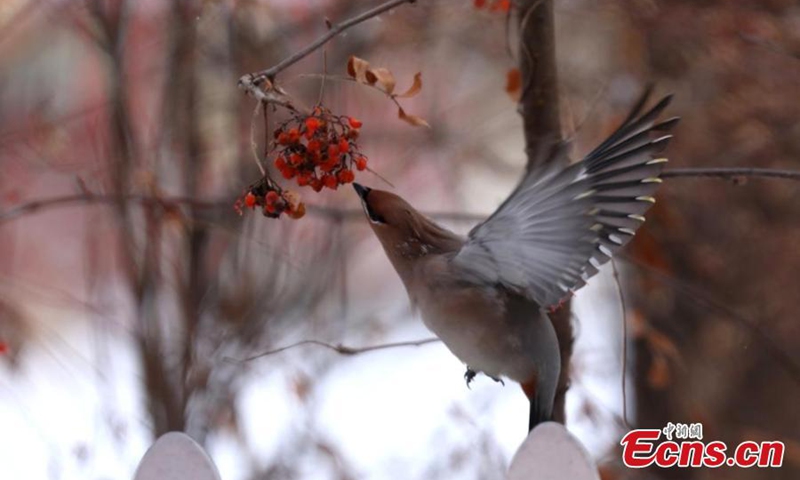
x,y
560,224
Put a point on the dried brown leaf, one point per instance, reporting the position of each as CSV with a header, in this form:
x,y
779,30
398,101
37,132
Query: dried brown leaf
x,y
514,84
381,77
415,87
298,212
297,209
412,119
357,68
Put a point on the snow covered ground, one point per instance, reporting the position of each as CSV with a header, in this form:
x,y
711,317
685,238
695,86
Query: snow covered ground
x,y
389,412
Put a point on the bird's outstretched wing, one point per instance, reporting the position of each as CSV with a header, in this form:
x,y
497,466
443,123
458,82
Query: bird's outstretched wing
x,y
560,224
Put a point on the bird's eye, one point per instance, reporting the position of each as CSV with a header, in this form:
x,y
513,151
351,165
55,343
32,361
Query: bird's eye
x,y
373,217
363,192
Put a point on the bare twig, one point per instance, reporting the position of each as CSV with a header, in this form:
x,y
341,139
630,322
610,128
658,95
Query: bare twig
x,y
171,202
732,173
772,47
254,79
36,206
253,144
39,205
272,95
324,71
251,82
339,348
624,344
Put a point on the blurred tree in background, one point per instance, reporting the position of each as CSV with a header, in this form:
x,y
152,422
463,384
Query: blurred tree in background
x,y
717,329
124,143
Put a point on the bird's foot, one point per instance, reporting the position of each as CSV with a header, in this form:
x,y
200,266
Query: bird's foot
x,y
469,376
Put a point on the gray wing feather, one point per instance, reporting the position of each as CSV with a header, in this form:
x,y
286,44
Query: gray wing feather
x,y
560,224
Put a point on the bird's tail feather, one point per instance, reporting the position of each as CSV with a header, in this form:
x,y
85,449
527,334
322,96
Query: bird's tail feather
x,y
538,414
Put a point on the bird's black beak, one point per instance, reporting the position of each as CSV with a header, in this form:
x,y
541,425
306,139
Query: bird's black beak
x,y
362,191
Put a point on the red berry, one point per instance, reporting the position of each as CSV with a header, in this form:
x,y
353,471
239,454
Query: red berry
x,y
295,159
355,123
3,348
344,146
283,138
329,165
288,172
501,6
346,176
329,181
333,150
316,184
303,179
361,163
294,135
272,197
312,123
250,200
280,163
313,146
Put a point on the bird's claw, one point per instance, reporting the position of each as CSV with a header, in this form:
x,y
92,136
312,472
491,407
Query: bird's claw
x,y
469,376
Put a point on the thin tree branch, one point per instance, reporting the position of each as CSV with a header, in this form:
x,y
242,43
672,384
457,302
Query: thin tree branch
x,y
339,348
770,46
624,369
253,143
541,120
538,105
732,173
258,77
251,82
172,202
268,96
166,202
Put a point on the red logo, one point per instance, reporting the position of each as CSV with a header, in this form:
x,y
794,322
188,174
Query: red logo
x,y
641,448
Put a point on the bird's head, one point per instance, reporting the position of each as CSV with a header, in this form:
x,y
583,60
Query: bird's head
x,y
402,230
385,211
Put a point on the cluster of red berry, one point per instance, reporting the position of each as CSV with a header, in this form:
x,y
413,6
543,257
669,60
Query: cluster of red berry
x,y
319,150
496,5
271,199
